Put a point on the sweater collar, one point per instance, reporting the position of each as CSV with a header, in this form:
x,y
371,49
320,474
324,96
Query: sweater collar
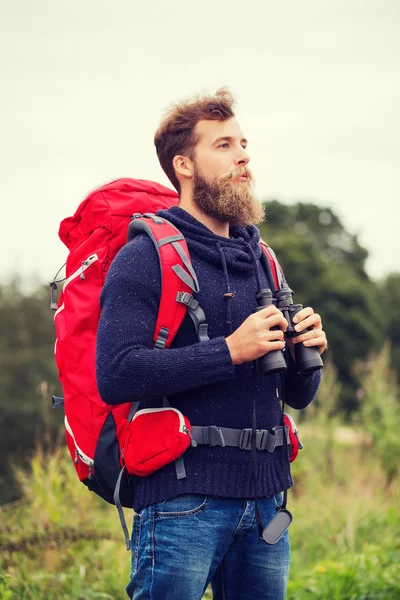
x,y
239,250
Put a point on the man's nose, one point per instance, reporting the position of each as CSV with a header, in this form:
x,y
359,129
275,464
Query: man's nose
x,y
242,159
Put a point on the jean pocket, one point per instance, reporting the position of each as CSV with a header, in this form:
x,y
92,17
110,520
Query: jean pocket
x,y
181,506
278,499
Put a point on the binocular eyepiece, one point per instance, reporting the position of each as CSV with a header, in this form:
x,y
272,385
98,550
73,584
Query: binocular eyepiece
x,y
307,359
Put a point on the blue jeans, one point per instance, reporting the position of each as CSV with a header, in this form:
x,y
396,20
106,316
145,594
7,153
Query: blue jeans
x,y
181,545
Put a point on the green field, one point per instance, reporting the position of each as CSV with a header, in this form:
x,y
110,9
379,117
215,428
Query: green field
x,y
60,542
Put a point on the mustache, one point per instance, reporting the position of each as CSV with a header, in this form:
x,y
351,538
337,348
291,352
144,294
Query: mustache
x,y
237,172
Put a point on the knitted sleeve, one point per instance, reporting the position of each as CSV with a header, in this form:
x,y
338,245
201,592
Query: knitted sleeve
x,y
126,365
300,390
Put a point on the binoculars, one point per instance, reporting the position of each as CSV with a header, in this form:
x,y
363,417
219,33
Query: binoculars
x,y
307,359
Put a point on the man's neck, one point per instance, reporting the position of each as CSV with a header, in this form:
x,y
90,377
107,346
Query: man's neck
x,y
216,226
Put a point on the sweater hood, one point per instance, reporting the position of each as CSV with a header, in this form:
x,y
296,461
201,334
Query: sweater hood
x,y
239,253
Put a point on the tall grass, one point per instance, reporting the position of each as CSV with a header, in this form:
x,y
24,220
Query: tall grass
x,y
61,542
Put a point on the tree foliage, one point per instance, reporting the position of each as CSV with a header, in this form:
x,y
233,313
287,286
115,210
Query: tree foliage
x,y
27,373
389,294
381,411
325,266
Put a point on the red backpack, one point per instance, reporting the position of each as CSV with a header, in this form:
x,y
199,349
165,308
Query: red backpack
x,y
96,431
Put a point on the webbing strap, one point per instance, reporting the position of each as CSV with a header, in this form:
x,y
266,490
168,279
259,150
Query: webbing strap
x,y
196,314
169,239
184,258
154,217
180,468
185,277
179,464
117,502
266,439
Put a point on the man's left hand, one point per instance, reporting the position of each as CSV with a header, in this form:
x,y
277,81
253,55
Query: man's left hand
x,y
308,319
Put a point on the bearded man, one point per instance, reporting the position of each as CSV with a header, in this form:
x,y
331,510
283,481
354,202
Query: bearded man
x,y
199,529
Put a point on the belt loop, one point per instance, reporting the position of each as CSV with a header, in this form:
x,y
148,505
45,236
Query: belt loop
x,y
215,436
262,439
272,439
245,439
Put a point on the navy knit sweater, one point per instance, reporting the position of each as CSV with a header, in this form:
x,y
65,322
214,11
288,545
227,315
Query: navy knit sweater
x,y
198,378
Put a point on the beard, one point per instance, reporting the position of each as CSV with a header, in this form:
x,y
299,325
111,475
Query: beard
x,y
226,199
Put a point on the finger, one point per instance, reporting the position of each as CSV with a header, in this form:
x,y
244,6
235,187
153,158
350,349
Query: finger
x,y
302,314
313,321
308,335
268,311
270,346
277,320
320,343
276,334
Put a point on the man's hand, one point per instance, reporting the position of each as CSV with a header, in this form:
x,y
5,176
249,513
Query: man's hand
x,y
254,337
307,318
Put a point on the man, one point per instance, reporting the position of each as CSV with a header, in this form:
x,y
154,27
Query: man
x,y
201,529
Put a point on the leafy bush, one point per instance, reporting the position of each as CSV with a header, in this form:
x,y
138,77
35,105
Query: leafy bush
x,y
381,411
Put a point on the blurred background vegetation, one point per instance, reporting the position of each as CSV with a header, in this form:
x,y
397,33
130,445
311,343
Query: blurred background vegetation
x,y
59,541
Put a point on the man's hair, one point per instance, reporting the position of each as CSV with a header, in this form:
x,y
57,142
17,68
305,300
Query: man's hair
x,y
175,134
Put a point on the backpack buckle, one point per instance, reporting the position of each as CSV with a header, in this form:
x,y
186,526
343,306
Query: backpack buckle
x,y
245,439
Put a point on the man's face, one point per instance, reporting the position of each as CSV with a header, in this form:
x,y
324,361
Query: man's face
x,y
222,184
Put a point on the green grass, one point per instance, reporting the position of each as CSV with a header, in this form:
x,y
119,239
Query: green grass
x,y
62,542
346,534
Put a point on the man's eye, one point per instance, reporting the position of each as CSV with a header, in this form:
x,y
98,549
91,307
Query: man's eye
x,y
225,145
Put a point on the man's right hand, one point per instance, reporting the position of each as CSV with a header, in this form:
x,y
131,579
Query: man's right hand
x,y
254,337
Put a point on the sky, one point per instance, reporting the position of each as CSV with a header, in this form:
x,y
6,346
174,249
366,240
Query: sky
x,y
85,84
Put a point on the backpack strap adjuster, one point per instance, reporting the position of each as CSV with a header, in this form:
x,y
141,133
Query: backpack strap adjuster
x,y
185,298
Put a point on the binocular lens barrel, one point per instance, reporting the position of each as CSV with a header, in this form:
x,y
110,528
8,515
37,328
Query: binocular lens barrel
x,y
307,359
272,362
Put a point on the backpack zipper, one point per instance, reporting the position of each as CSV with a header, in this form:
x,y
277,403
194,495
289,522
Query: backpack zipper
x,y
182,425
189,433
78,273
84,458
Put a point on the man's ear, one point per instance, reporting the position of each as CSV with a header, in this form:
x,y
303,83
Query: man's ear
x,y
184,166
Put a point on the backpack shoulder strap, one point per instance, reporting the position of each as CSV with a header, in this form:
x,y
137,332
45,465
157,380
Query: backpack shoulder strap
x,y
178,279
272,266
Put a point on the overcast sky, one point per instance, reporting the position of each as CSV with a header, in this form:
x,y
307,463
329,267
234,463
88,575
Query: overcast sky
x,y
84,85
